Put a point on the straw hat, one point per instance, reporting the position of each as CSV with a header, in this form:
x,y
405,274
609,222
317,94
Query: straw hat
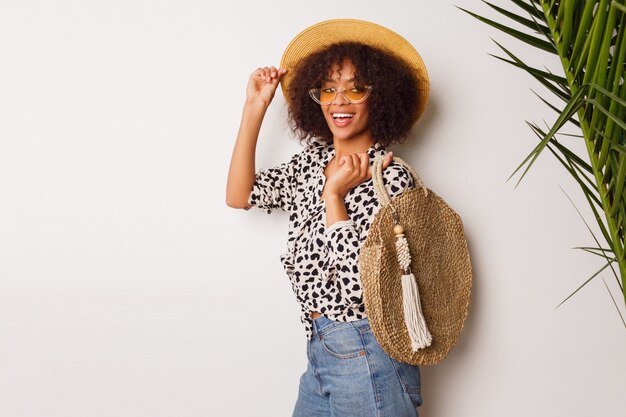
x,y
439,263
323,34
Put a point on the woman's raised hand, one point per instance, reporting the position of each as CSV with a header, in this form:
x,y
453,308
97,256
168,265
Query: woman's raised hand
x,y
262,84
353,170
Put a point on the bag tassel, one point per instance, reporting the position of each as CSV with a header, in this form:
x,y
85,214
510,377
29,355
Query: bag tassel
x,y
413,316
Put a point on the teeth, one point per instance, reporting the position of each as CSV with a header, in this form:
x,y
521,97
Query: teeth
x,y
341,115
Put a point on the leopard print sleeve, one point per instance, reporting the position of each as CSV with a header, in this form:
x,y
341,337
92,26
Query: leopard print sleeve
x,y
273,187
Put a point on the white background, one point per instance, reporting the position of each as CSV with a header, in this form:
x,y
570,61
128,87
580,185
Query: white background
x,y
129,288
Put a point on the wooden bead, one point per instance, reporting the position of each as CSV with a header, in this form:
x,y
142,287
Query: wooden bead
x,y
398,229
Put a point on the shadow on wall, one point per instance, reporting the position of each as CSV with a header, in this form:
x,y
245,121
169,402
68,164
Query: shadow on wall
x,y
436,387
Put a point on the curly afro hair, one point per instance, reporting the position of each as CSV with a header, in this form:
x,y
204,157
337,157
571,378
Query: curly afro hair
x,y
392,103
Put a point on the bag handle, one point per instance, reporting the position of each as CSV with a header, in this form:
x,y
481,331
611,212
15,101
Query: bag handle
x,y
377,177
411,303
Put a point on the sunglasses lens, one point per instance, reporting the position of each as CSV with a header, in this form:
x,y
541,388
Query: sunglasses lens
x,y
356,93
326,96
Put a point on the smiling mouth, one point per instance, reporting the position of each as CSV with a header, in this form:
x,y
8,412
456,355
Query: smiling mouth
x,y
341,116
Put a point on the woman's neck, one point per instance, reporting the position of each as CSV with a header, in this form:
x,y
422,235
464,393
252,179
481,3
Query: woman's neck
x,y
348,147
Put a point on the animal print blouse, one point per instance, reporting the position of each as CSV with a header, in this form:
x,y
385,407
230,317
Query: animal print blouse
x,y
322,263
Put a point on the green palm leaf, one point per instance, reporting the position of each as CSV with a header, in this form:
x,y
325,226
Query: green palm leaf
x,y
590,40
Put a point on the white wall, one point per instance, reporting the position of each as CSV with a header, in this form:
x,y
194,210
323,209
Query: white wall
x,y
129,288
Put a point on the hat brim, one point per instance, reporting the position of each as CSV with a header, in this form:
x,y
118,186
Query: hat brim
x,y
323,34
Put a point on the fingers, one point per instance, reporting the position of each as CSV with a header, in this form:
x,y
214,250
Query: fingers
x,y
360,166
350,163
364,166
269,74
357,166
360,161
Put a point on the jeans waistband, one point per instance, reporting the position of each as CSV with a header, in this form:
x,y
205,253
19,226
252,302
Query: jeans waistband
x,y
323,324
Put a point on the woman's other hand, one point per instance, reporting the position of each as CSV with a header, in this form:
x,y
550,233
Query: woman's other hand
x,y
353,170
262,84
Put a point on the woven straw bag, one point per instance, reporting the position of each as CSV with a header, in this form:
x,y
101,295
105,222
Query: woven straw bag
x,y
416,278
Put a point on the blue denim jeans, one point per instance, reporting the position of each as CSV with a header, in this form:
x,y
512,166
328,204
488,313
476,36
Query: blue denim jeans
x,y
350,375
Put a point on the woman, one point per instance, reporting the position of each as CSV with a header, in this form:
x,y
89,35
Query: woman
x,y
348,99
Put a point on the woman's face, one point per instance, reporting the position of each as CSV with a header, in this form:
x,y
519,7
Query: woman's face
x,y
345,120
